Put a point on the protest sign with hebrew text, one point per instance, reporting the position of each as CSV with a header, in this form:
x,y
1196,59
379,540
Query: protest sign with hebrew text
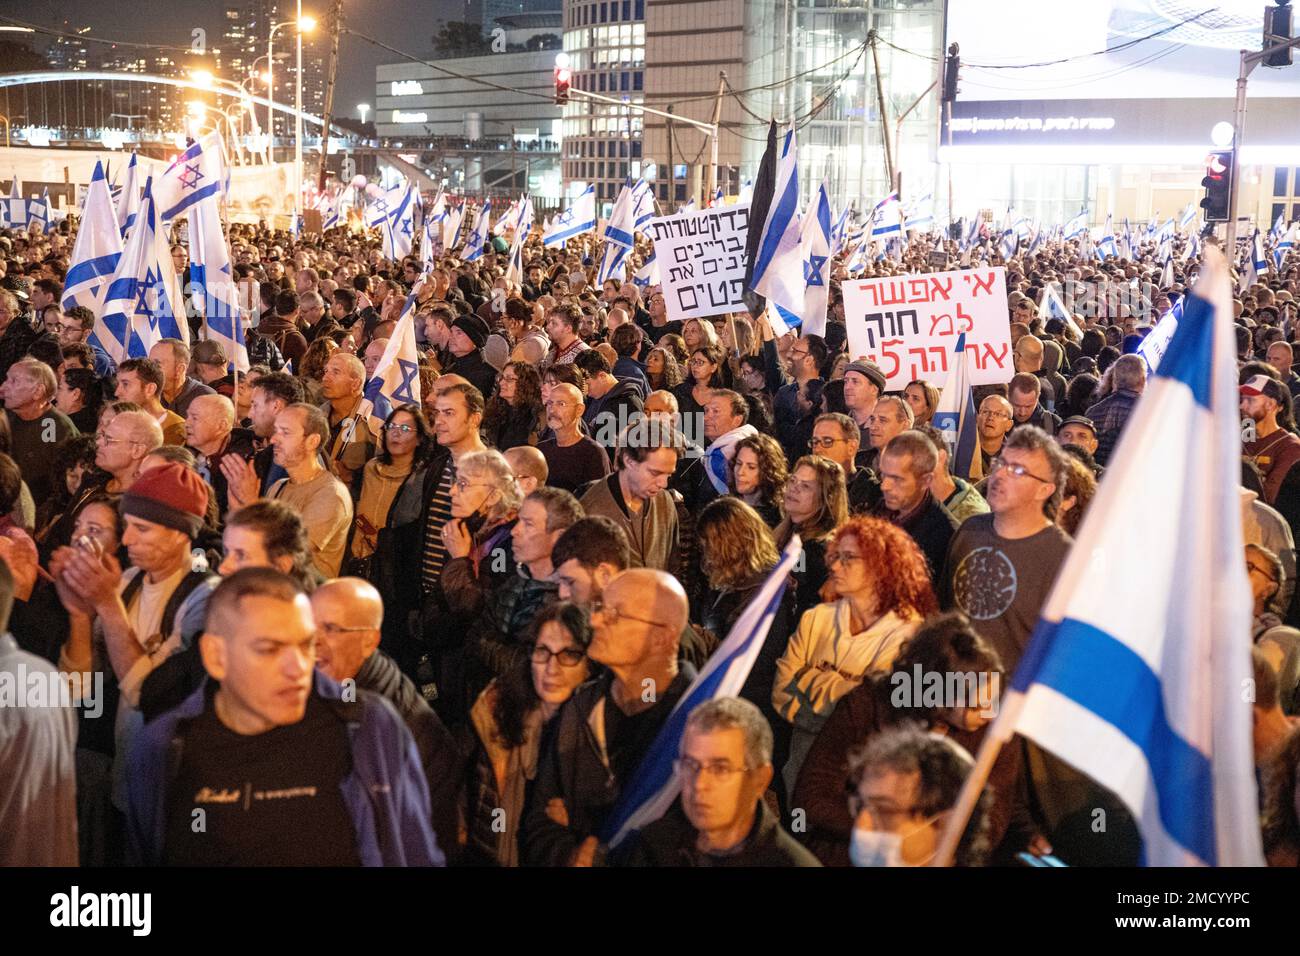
x,y
702,259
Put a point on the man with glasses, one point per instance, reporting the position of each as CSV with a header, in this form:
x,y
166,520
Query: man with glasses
x,y
122,445
807,355
1001,566
721,819
993,422
835,436
73,327
349,616
604,731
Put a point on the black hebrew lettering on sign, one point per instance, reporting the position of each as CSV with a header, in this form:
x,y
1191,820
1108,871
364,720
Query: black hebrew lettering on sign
x,y
704,260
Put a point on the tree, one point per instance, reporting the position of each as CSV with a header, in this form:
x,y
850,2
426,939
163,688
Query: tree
x,y
458,38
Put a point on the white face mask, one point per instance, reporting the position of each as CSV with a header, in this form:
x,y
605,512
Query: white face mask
x,y
878,848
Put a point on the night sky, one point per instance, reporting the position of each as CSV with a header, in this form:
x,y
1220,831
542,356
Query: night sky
x,y
404,24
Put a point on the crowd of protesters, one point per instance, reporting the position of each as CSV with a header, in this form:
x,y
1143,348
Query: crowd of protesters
x,y
294,634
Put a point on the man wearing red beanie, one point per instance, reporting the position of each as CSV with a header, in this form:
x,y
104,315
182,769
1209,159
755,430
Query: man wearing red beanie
x,y
154,608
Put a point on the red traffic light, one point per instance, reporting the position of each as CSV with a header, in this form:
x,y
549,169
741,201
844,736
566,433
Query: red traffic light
x,y
563,75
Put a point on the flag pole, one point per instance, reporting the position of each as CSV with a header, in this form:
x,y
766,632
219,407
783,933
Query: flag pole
x,y
961,812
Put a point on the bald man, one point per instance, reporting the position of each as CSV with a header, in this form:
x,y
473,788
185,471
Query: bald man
x,y
349,614
572,458
662,405
635,631
211,434
351,444
529,468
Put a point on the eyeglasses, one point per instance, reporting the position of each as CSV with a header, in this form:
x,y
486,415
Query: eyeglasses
x,y
719,770
613,615
1020,471
837,557
699,363
464,484
1268,575
569,657
334,630
824,442
68,329
110,440
401,427
993,414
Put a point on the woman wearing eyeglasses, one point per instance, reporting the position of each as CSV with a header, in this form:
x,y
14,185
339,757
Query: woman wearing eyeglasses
x,y
484,506
404,444
513,720
879,589
515,415
703,376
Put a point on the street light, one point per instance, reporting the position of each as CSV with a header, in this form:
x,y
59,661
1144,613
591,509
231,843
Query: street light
x,y
305,24
363,109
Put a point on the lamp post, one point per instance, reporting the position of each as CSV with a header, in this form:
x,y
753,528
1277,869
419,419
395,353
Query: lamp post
x,y
363,109
305,24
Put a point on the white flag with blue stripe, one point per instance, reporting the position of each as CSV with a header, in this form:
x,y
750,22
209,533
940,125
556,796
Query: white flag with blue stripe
x,y
579,217
1285,246
198,174
1050,306
655,785
398,228
887,218
815,243
620,236
478,235
954,417
1257,264
38,211
1108,246
1135,672
648,274
98,247
451,226
397,376
16,207
1188,217
1077,226
778,266
126,327
128,202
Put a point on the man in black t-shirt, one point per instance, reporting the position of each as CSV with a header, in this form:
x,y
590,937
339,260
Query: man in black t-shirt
x,y
273,764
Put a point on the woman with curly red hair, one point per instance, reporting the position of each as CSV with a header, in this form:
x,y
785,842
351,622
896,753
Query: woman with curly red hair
x,y
879,592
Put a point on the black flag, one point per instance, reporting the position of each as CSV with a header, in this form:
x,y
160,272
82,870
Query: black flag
x,y
764,188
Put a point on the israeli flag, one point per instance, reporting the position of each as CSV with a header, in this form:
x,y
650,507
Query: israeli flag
x,y
578,218
397,376
688,206
478,235
98,248
920,214
16,207
128,203
507,220
1134,674
1285,246
198,174
648,274
1167,273
837,233
1126,241
38,211
398,228
1157,341
328,205
526,217
1050,306
1166,233
778,266
212,289
1188,217
1193,248
1108,247
515,268
717,198
887,218
127,325
451,226
815,249
1278,225
655,785
643,203
1257,264
431,222
1077,226
954,417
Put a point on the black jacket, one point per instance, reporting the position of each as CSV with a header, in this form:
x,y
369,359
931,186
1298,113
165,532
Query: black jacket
x,y
474,369
932,527
575,768
439,754
670,841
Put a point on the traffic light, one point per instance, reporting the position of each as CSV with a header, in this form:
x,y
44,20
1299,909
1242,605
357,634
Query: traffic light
x,y
951,67
563,75
1277,29
1218,185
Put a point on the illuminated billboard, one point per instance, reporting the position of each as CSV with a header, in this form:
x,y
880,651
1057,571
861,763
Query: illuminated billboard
x,y
1121,81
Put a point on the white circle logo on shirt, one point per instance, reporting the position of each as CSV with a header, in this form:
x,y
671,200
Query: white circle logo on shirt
x,y
984,586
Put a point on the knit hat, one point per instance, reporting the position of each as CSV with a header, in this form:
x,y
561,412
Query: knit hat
x,y
170,495
475,329
870,369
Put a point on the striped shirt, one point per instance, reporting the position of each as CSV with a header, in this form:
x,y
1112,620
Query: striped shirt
x,y
435,552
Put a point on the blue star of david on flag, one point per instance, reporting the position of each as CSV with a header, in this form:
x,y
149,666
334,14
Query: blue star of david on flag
x,y
410,373
812,270
190,178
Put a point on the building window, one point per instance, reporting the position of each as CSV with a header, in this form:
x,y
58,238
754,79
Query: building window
x,y
604,13
681,193
624,81
627,9
639,6
600,148
636,148
1279,180
637,80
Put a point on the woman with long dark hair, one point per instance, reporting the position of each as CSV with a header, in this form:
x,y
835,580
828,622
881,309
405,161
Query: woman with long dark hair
x,y
404,438
816,502
513,719
662,370
705,371
515,415
758,476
